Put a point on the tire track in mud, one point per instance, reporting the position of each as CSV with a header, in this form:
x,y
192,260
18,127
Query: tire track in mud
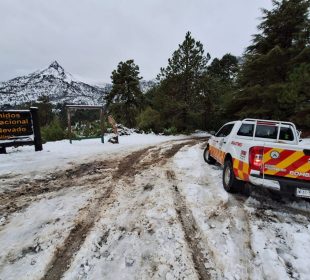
x,y
219,214
267,210
276,202
127,168
191,232
30,190
273,213
27,190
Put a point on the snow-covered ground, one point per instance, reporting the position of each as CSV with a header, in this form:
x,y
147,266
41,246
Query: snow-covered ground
x,y
61,154
28,241
159,212
245,240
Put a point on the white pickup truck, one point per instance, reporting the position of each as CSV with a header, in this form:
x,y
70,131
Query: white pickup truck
x,y
262,152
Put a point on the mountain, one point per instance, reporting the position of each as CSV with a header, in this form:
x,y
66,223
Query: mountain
x,y
147,85
58,85
144,85
55,83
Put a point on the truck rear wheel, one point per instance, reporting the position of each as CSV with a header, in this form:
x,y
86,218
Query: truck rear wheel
x,y
206,156
230,182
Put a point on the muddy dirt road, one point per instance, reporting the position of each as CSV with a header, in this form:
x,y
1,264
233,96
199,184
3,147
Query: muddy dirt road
x,y
155,213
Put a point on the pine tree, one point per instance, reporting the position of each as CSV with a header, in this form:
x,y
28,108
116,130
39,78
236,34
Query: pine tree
x,y
180,84
277,52
125,99
218,86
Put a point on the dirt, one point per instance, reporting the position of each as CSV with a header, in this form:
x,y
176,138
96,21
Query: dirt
x,y
104,176
191,232
127,167
21,193
76,237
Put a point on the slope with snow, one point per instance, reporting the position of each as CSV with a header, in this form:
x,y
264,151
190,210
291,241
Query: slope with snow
x,y
58,85
55,83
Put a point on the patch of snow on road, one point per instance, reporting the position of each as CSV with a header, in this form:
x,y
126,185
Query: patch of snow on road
x,y
139,236
244,241
31,237
202,188
24,161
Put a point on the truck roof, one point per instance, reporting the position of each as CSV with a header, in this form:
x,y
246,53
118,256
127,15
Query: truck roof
x,y
263,121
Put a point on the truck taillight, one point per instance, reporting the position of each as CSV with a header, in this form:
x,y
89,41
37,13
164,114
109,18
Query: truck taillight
x,y
256,157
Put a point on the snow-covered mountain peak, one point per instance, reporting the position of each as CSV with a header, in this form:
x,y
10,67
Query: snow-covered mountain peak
x,y
55,83
55,65
57,71
58,85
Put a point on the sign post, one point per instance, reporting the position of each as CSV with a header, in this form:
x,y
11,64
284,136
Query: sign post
x,y
36,129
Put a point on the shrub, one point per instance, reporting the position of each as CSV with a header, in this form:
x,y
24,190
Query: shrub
x,y
53,132
170,131
149,119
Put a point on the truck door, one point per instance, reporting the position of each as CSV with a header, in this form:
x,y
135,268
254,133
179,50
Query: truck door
x,y
220,143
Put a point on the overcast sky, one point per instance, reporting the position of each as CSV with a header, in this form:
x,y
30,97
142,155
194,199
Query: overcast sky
x,y
90,37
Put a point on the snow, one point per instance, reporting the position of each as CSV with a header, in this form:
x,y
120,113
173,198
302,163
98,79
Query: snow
x,y
31,237
138,233
278,242
23,161
137,238
53,82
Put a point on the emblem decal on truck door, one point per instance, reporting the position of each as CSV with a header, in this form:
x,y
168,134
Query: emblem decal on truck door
x,y
242,155
274,154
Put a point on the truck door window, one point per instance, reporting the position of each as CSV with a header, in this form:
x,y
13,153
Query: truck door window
x,y
246,129
225,130
266,131
286,134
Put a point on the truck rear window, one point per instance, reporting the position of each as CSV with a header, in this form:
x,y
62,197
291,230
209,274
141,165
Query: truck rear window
x,y
266,131
286,134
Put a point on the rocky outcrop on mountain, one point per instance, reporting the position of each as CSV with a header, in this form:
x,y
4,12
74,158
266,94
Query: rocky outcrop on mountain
x,y
53,82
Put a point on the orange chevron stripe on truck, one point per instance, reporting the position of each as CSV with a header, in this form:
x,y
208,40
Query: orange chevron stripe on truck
x,y
286,163
217,154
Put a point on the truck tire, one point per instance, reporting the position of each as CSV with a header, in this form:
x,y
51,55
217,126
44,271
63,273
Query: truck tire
x,y
230,182
206,156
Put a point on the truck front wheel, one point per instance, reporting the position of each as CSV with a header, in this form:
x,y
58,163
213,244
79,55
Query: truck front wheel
x,y
206,156
230,182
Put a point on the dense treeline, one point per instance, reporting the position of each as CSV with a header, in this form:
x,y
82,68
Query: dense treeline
x,y
274,79
270,81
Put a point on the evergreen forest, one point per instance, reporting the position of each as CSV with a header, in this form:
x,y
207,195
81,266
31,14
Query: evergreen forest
x,y
271,80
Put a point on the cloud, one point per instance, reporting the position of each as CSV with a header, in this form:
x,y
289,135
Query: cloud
x,y
91,37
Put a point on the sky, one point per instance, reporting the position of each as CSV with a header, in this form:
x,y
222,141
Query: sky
x,y
90,37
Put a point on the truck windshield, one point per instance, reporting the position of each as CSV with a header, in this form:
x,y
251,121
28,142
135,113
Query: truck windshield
x,y
225,130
